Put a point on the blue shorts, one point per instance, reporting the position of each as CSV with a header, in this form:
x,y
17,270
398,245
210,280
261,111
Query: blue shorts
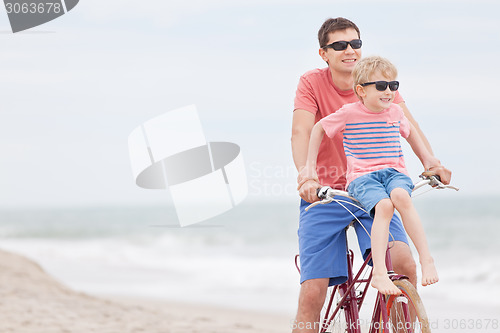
x,y
322,239
369,189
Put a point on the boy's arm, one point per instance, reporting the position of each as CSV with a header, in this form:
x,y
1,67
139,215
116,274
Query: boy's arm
x,y
440,170
412,120
420,149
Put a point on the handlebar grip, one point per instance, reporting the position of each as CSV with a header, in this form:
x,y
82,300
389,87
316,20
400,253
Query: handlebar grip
x,y
322,192
429,174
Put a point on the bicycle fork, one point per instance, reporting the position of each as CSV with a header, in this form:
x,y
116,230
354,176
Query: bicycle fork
x,y
349,302
380,318
352,308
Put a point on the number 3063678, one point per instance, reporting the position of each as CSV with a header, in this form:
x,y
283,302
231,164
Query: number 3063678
x,y
33,8
471,324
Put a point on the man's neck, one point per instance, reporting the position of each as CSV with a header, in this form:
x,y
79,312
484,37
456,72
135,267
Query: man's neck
x,y
342,80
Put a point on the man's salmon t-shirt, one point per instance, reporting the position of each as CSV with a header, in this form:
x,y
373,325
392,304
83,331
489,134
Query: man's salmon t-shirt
x,y
316,93
371,139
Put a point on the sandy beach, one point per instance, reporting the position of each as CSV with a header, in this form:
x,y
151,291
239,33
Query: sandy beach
x,y
34,302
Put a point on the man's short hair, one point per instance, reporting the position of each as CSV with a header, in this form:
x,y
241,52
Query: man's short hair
x,y
332,25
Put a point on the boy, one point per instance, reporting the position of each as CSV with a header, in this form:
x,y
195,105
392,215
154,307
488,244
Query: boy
x,y
376,173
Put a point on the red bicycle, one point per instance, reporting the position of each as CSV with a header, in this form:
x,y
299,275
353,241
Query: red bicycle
x,y
391,313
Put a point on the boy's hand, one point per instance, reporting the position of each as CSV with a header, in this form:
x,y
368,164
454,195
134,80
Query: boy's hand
x,y
443,173
433,164
430,162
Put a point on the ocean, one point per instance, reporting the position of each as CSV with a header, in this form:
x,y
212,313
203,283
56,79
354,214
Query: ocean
x,y
242,259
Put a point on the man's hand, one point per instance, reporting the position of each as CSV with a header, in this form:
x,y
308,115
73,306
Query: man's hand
x,y
307,190
305,174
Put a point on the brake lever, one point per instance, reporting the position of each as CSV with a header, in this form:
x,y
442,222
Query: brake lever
x,y
435,181
322,194
448,186
321,202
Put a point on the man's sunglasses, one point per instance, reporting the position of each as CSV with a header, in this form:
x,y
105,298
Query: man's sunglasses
x,y
382,85
342,44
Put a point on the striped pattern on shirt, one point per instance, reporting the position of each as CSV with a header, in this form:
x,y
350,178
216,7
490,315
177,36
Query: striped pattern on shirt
x,y
372,140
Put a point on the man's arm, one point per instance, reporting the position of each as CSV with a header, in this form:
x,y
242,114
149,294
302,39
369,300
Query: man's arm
x,y
302,124
309,171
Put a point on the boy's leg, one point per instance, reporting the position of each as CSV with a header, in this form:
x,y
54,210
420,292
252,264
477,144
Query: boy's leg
x,y
370,191
411,221
401,256
379,233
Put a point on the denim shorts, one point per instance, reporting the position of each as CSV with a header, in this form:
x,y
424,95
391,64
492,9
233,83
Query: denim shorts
x,y
322,239
369,189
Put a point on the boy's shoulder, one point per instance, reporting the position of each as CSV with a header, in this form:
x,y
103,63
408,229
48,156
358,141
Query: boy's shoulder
x,y
396,106
356,106
396,109
347,111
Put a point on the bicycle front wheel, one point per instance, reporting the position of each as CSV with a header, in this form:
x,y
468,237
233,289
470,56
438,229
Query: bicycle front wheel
x,y
406,311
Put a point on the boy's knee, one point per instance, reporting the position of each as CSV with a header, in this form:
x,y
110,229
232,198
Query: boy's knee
x,y
400,197
385,207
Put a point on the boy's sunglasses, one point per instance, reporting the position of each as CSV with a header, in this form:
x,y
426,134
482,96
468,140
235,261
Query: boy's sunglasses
x,y
382,85
342,44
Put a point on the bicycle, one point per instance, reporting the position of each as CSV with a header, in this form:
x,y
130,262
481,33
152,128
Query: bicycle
x,y
392,313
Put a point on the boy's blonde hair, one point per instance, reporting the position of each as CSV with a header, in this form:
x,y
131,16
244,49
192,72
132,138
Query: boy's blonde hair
x,y
370,65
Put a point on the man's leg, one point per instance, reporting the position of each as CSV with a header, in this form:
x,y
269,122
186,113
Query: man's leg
x,y
322,250
402,261
311,299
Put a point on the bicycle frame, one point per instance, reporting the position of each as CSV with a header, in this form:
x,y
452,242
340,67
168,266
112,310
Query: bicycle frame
x,y
401,307
351,303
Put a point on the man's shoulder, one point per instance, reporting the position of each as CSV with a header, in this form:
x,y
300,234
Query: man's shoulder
x,y
315,74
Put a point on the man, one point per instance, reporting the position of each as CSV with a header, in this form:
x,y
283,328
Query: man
x,y
321,237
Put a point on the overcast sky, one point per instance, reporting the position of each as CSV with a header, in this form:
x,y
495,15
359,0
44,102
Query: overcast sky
x,y
73,89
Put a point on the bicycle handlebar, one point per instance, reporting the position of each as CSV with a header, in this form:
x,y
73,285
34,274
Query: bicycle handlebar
x,y
327,194
434,181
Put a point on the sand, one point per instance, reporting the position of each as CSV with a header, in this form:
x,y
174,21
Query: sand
x,y
32,301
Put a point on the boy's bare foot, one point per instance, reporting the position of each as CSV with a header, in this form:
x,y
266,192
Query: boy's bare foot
x,y
429,272
382,283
